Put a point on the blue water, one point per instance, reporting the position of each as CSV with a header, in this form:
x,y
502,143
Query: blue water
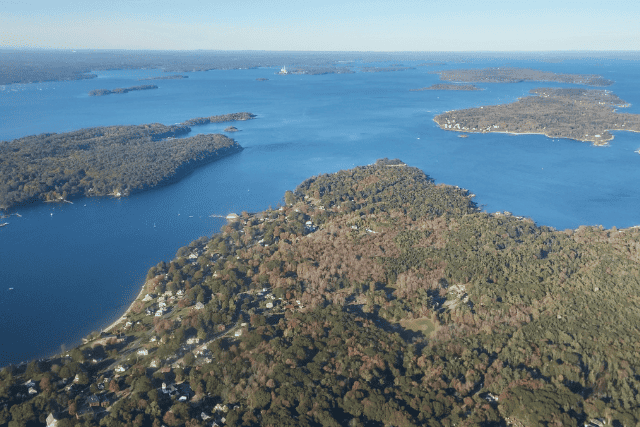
x,y
75,268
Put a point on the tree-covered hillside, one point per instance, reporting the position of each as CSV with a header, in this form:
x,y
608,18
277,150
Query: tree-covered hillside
x,y
373,297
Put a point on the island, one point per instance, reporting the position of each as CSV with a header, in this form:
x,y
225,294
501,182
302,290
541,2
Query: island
x,y
515,75
262,79
580,114
317,71
384,69
231,129
444,86
102,161
171,77
103,92
372,296
234,117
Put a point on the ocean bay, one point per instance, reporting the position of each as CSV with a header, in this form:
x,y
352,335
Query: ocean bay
x,y
74,268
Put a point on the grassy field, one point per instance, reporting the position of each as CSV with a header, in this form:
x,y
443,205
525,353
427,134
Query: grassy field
x,y
422,324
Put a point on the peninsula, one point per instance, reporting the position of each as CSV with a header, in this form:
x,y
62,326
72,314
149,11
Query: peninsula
x,y
101,161
580,114
372,297
515,75
444,86
103,92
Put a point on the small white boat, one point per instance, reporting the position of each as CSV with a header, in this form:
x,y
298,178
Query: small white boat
x,y
3,224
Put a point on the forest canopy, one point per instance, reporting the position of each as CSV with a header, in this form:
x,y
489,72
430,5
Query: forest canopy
x,y
372,297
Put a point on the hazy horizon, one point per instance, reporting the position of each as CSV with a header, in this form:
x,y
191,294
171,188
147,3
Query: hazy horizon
x,y
329,26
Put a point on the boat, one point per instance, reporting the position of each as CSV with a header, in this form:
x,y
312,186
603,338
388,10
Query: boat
x,y
3,224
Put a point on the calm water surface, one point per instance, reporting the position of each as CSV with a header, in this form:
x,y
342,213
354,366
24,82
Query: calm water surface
x,y
75,268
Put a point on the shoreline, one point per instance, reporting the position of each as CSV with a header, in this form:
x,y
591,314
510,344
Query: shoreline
x,y
597,143
123,316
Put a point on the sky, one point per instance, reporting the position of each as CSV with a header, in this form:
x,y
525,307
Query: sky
x,y
327,25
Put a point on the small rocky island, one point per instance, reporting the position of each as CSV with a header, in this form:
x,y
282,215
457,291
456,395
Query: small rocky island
x,y
516,75
103,92
445,86
102,161
580,114
231,129
171,77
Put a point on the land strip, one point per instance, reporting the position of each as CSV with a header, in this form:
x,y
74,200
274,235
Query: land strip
x,y
103,92
515,75
171,77
444,86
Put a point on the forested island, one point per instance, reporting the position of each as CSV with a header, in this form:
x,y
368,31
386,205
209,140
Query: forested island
x,y
372,297
580,114
515,75
444,86
171,77
103,92
101,161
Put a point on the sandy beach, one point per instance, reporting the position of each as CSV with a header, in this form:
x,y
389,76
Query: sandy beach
x,y
121,318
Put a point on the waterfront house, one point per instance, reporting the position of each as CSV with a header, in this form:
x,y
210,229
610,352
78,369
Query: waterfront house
x,y
52,421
